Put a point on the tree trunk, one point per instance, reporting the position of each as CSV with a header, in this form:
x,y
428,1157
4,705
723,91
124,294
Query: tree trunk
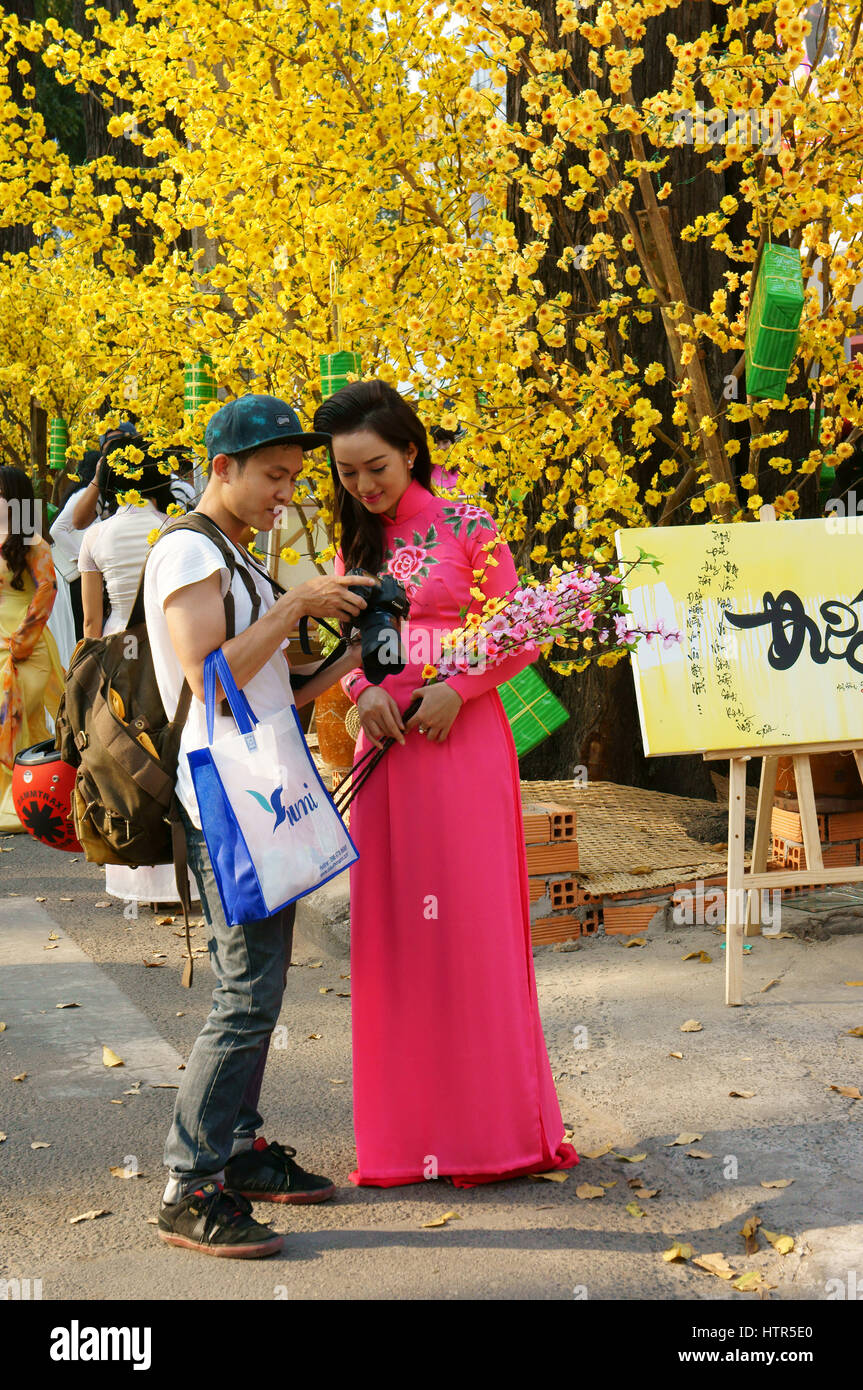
x,y
603,734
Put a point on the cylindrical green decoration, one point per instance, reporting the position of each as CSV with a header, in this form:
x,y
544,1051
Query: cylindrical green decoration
x,y
199,384
335,367
58,443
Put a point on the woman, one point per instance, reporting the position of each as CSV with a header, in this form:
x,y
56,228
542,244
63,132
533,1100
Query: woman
x,y
31,676
113,550
451,1073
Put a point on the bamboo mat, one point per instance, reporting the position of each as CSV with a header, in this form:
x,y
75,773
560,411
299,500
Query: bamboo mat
x,y
631,839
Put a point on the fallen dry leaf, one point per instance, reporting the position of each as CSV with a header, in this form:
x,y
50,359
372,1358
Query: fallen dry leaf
x,y
645,1193
165,922
715,1264
851,1091
154,964
102,904
442,1220
152,1220
51,946
22,1076
40,900
691,1026
325,989
164,1085
855,1032
120,1172
314,965
778,936
742,1095
88,1216
2,1027
110,1059
749,1231
586,1190
115,1102
778,1182
67,900
701,956
751,1282
2,1137
67,1006
769,985
550,1177
634,1209
678,1252
852,982
40,1144
634,941
335,1081
599,1153
340,994
784,1244
314,1036
608,1183
683,1139
630,1158
698,1153
678,1055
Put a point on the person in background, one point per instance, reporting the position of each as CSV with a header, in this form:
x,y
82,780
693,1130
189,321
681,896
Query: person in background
x,y
31,676
66,538
86,508
114,550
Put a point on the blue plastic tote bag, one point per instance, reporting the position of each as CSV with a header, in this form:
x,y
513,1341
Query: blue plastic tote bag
x,y
272,831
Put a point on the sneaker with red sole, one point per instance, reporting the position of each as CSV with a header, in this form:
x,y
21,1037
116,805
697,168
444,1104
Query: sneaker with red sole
x,y
268,1173
216,1222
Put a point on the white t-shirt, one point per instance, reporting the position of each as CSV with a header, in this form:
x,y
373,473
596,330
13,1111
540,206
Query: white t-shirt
x,y
186,558
67,538
117,548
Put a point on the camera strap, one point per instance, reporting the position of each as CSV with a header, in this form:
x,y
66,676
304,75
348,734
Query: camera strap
x,y
298,680
363,769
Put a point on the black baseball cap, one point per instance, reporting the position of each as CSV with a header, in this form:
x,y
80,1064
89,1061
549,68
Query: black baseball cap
x,y
251,422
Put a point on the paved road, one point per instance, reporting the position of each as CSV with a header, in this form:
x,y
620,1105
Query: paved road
x,y
526,1239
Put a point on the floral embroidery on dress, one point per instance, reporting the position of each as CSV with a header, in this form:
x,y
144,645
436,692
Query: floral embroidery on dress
x,y
458,513
410,564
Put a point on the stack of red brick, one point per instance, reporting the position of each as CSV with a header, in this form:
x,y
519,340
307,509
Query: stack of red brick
x,y
841,834
560,909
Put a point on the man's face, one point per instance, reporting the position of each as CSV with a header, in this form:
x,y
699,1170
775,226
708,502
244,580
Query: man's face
x,y
258,493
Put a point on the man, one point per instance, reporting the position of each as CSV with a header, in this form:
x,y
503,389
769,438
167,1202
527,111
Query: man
x,y
214,1153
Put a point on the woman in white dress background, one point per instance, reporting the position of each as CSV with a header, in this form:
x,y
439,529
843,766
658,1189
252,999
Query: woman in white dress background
x,y
115,549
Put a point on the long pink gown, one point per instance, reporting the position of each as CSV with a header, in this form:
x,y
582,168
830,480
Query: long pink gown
x,y
451,1072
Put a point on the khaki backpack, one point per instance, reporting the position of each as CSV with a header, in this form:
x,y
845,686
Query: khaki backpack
x,y
112,727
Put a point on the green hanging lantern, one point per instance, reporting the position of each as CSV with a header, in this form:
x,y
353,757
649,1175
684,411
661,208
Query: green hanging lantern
x,y
773,324
335,367
58,443
199,384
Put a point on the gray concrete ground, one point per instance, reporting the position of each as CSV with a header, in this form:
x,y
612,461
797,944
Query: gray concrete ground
x,y
612,1017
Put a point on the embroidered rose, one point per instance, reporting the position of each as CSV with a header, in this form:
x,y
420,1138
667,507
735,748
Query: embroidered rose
x,y
407,562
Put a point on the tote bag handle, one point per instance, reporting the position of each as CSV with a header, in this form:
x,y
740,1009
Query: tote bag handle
x,y
215,665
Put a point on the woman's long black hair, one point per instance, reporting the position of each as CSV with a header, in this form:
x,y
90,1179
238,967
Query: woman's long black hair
x,y
370,405
152,484
15,486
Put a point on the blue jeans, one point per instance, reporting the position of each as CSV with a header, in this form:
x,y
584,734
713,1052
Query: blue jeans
x,y
216,1112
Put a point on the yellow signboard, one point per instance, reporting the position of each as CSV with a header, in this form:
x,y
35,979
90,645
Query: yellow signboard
x,y
770,617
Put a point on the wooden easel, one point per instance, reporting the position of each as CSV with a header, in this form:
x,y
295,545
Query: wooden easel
x,y
737,922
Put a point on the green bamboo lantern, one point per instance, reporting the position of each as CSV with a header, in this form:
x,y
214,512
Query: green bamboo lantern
x,y
532,710
335,367
199,384
773,324
58,443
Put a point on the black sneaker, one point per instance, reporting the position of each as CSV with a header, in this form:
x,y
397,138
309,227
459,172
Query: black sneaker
x,y
216,1222
268,1173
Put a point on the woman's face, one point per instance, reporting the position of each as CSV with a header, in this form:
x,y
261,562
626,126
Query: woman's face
x,y
375,473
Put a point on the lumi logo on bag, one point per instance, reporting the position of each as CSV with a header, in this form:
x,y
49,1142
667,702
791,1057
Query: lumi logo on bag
x,y
303,807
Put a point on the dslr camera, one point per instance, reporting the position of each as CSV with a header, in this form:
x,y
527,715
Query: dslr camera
x,y
378,624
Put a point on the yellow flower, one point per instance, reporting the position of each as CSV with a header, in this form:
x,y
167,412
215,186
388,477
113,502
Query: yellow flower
x,y
429,673
153,536
749,481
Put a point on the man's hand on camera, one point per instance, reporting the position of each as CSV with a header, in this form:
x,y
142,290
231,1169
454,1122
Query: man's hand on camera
x,y
329,596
